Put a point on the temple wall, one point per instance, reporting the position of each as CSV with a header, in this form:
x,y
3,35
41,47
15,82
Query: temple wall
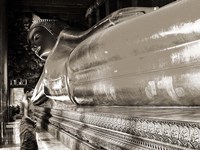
x,y
19,52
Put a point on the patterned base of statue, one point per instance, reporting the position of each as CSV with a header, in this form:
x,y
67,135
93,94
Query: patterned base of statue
x,y
160,128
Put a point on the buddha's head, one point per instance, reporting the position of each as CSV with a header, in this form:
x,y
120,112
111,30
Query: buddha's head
x,y
43,35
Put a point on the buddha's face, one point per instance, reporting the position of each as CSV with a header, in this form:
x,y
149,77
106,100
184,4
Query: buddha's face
x,y
42,41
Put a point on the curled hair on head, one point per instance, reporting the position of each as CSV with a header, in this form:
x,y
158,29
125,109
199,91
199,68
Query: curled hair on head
x,y
52,25
27,88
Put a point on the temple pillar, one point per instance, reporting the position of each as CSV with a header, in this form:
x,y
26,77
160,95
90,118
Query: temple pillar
x,y
3,67
3,59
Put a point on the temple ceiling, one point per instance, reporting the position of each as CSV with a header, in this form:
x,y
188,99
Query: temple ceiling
x,y
67,9
73,11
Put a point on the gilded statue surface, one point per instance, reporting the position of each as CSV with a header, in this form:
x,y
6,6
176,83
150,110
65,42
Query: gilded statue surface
x,y
137,59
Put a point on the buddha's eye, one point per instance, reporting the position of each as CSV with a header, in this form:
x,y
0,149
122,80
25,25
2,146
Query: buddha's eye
x,y
36,37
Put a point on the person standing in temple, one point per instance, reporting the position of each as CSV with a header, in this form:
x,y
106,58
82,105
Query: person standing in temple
x,y
28,122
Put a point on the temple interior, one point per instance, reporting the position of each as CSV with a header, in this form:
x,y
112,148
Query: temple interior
x,y
104,74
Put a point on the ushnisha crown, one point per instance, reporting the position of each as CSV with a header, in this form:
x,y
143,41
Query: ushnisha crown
x,y
52,25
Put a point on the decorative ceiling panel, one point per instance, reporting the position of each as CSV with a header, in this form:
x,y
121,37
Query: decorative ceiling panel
x,y
70,8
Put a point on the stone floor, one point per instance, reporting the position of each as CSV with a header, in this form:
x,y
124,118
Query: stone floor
x,y
9,138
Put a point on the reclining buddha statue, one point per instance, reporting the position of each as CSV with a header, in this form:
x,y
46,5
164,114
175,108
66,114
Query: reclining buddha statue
x,y
68,39
150,59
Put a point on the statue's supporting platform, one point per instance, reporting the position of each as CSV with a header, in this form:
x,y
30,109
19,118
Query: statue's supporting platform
x,y
120,128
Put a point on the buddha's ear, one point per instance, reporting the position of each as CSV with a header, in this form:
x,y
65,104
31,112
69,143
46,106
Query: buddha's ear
x,y
35,17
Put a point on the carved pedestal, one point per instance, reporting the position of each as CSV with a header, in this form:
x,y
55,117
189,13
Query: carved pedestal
x,y
120,128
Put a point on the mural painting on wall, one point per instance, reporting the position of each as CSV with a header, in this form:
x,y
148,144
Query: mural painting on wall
x,y
22,62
